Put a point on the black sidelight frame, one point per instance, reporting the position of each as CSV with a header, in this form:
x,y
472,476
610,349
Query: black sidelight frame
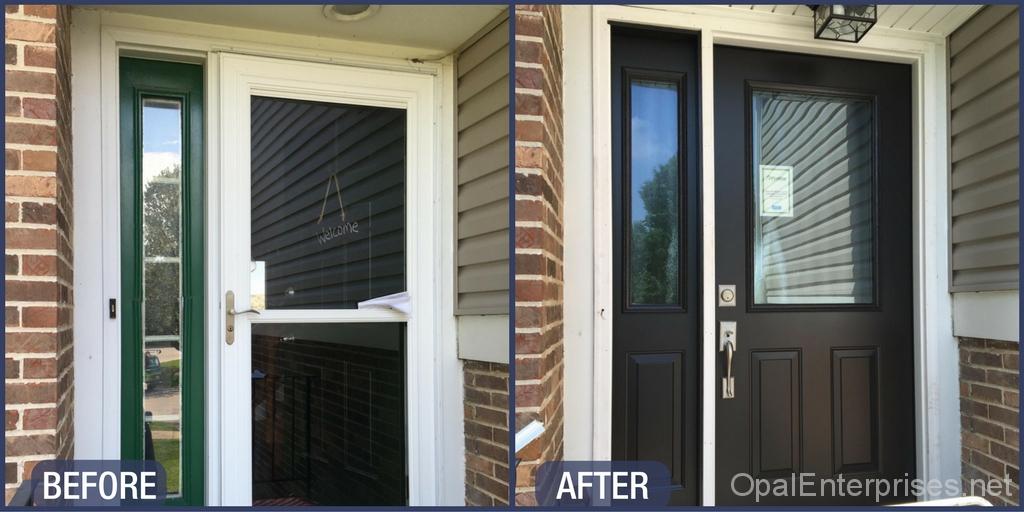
x,y
629,75
651,342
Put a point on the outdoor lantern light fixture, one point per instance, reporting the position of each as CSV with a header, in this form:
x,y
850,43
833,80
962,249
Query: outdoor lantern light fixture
x,y
843,22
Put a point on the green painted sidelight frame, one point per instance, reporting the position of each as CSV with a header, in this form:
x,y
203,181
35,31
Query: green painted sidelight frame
x,y
140,79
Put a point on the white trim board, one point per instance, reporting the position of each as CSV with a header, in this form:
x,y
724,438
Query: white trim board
x,y
483,338
97,39
936,399
987,315
578,316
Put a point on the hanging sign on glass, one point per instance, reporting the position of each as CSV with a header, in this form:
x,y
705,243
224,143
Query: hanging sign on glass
x,y
258,284
776,190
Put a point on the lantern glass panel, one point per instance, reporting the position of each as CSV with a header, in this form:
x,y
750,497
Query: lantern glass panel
x,y
843,22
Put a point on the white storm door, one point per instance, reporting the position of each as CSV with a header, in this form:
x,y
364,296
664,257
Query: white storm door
x,y
325,192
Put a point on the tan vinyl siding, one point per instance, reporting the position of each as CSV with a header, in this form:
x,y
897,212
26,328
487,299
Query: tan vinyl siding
x,y
984,151
482,195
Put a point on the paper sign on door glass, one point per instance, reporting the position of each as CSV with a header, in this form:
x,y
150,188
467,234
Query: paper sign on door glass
x,y
776,190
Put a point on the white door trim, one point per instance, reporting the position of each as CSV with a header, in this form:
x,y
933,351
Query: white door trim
x,y
98,39
934,353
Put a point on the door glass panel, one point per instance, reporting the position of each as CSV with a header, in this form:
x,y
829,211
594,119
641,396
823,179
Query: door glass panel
x,y
328,203
161,284
328,413
653,201
813,199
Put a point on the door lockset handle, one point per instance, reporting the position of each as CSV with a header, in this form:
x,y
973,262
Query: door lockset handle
x,y
727,344
729,383
229,316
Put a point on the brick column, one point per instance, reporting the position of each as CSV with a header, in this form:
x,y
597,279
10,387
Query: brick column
x,y
990,414
485,387
37,149
538,216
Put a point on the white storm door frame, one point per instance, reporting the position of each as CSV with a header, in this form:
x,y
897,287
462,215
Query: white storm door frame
x,y
241,77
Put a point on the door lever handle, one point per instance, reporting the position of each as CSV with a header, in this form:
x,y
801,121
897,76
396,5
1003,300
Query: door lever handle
x,y
233,312
727,344
729,383
229,317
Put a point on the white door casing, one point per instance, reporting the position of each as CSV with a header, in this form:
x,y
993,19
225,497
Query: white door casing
x,y
242,77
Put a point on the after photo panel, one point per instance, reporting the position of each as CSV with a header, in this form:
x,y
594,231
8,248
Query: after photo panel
x,y
767,255
257,254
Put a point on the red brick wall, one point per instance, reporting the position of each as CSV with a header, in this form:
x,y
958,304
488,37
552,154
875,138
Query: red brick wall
x,y
485,389
38,222
538,224
989,413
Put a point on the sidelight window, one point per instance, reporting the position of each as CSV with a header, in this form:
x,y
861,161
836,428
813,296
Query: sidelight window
x,y
162,271
652,203
161,283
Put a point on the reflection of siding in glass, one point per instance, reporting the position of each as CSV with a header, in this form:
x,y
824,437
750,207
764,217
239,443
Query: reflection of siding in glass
x,y
654,193
161,284
328,202
823,252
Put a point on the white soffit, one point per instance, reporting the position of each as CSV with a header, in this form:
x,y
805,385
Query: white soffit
x,y
930,19
438,28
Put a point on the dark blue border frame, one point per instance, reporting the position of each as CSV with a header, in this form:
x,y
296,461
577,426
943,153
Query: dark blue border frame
x,y
512,315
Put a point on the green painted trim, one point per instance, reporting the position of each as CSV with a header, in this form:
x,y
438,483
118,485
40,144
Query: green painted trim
x,y
148,78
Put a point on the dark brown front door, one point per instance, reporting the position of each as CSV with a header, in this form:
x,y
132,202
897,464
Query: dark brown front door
x,y
813,227
656,254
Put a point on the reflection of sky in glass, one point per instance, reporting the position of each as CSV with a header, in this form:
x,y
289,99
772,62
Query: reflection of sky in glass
x,y
161,137
654,134
161,149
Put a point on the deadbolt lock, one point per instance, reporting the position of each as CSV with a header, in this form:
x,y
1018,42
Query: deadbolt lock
x,y
726,295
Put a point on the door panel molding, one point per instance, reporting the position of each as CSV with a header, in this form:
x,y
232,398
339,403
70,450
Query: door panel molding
x,y
648,377
855,410
937,431
775,379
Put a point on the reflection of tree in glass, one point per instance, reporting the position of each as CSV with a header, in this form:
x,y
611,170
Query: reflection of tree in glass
x,y
654,258
161,217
